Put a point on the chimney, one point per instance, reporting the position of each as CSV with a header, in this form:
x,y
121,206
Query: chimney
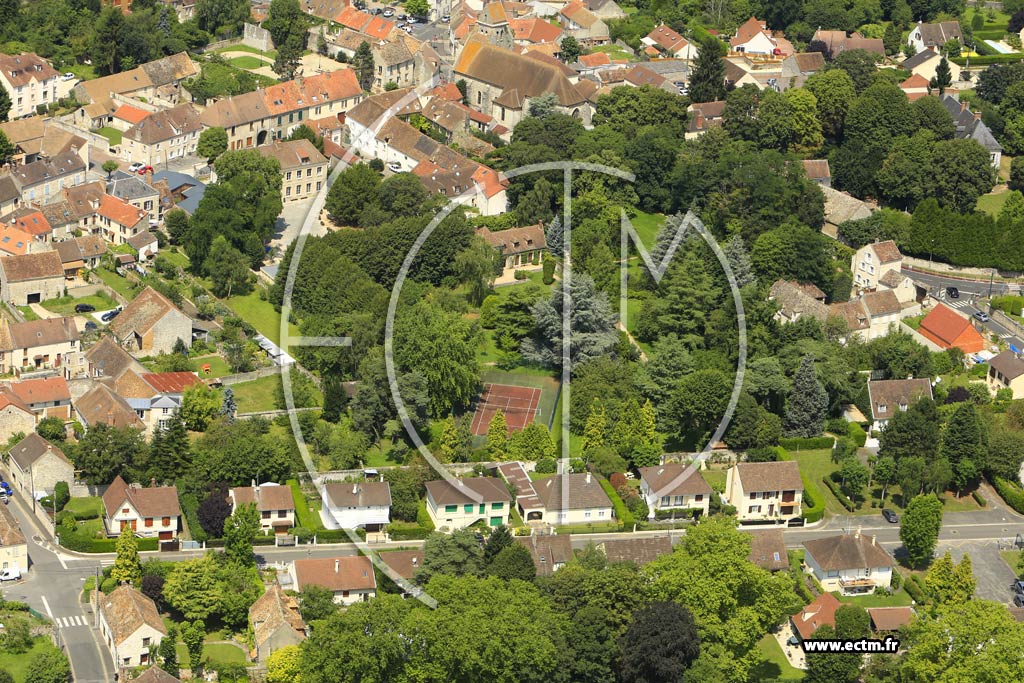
x,y
415,561
337,565
872,539
355,489
977,116
588,477
149,177
963,106
152,482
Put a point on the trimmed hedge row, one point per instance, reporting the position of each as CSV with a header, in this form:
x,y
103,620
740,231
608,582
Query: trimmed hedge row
x,y
624,516
915,589
978,498
838,493
1010,492
404,531
987,60
857,434
103,545
807,444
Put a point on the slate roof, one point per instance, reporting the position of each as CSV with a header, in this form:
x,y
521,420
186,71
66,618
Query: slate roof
x,y
155,501
126,610
100,404
546,551
584,492
32,448
674,479
490,489
969,125
848,551
336,574
128,187
637,550
922,57
769,476
895,395
939,33
359,495
45,170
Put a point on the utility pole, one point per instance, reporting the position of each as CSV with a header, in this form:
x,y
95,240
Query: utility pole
x,y
96,595
991,277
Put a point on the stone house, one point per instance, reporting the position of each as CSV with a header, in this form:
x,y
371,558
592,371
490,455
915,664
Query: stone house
x,y
365,504
149,512
639,550
303,168
583,25
273,501
668,42
154,396
118,221
350,578
849,563
889,396
151,324
163,135
31,278
15,416
520,248
130,625
969,126
80,253
52,343
13,546
276,623
765,491
158,82
45,396
796,300
869,316
456,506
41,181
36,465
674,486
103,405
768,549
573,499
872,261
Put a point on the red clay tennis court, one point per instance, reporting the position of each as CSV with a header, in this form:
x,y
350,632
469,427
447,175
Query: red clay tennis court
x,y
518,403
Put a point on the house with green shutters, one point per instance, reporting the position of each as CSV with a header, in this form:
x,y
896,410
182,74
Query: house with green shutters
x,y
456,506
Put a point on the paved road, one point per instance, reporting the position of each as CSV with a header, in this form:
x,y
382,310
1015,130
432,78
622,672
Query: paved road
x,y
970,302
53,588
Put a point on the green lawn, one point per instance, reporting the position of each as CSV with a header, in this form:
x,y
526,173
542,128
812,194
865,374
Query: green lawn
x,y
116,282
715,478
260,314
248,62
17,665
1012,559
89,506
28,313
176,257
898,599
816,464
66,304
111,134
775,665
378,457
215,654
218,366
257,395
613,51
646,225
84,72
992,203
307,511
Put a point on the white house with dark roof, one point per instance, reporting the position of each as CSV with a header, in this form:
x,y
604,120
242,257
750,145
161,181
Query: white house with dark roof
x,y
872,261
350,579
470,500
573,499
852,564
152,511
925,62
934,36
1006,371
765,491
890,396
674,486
365,504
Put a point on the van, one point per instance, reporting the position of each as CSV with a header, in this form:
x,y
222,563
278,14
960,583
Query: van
x,y
10,574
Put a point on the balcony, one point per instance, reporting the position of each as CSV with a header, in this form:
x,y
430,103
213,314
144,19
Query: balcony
x,y
860,586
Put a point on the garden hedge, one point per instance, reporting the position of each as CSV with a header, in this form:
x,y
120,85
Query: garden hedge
x,y
807,444
624,516
838,493
1010,492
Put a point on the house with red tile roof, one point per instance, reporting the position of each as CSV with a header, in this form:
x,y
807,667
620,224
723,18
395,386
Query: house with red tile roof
x,y
35,224
350,579
15,242
44,396
118,221
583,25
754,37
821,612
151,511
126,116
534,30
664,41
946,328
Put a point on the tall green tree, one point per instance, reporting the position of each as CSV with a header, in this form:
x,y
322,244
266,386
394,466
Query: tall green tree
x,y
168,651
919,528
942,79
192,588
707,80
127,568
455,554
497,436
475,266
48,666
193,635
660,644
239,531
570,49
963,445
513,563
212,143
831,667
362,62
807,403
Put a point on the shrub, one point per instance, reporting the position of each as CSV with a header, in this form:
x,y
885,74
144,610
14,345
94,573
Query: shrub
x,y
840,496
624,516
108,585
61,494
489,312
618,480
857,434
1010,492
806,444
978,498
897,579
549,271
836,425
914,590
302,534
405,531
520,275
546,466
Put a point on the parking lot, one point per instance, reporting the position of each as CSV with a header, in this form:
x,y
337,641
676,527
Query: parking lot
x,y
993,575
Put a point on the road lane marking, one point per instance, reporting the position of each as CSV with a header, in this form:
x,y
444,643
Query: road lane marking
x,y
46,606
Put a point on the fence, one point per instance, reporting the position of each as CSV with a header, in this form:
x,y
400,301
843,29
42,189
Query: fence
x,y
1008,322
96,288
249,376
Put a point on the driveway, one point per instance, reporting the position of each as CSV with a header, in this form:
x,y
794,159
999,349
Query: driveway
x,y
289,223
993,575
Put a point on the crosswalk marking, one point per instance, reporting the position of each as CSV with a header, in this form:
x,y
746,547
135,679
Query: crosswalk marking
x,y
68,622
958,304
1006,335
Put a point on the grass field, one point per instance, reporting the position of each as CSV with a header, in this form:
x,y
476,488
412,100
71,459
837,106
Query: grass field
x,y
248,62
242,47
218,366
83,72
1012,559
775,665
111,134
214,654
28,313
17,665
715,478
646,225
307,511
260,314
898,599
85,506
116,282
613,51
992,203
257,395
65,305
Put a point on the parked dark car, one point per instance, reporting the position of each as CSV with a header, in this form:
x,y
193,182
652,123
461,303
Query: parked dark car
x,y
890,516
952,292
796,521
84,308
90,326
110,315
1018,587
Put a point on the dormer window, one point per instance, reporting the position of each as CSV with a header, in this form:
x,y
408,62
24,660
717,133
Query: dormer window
x,y
882,408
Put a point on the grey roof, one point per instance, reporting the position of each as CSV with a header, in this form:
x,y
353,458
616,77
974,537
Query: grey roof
x,y
488,489
359,495
969,126
1008,364
44,170
192,196
129,187
917,60
8,190
33,447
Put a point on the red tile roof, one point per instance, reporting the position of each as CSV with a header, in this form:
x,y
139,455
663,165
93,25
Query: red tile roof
x,y
171,382
120,211
14,240
819,613
946,328
131,114
596,59
336,573
34,224
534,30
43,390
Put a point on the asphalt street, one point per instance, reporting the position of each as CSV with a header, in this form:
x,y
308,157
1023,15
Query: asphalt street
x,y
970,301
